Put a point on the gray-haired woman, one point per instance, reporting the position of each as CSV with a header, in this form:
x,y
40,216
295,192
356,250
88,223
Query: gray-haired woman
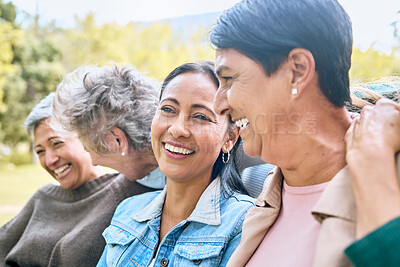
x,y
62,225
111,109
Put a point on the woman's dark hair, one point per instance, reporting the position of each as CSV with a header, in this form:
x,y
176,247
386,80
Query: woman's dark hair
x,y
267,30
230,176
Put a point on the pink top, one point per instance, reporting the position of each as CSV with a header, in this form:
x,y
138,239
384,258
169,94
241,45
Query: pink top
x,y
292,238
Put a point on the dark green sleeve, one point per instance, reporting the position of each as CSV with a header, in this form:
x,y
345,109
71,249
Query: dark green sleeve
x,y
379,248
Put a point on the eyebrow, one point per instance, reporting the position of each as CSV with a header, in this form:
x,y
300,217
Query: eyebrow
x,y
193,106
51,138
170,99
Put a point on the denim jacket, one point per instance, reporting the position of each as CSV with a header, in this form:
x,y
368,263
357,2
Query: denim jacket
x,y
207,238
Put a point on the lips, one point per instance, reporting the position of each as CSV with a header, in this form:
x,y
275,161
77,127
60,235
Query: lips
x,y
179,150
62,171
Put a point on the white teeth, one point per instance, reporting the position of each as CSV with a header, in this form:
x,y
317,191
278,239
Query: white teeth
x,y
61,169
242,123
187,151
179,150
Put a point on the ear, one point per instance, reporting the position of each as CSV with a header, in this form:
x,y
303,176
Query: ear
x,y
117,141
302,65
230,140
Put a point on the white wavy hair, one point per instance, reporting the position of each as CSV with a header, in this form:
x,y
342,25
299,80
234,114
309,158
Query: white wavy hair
x,y
39,113
92,100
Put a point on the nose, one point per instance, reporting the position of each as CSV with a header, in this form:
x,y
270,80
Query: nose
x,y
179,127
51,158
221,105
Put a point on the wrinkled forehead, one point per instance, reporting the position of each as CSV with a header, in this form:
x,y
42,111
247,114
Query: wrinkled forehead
x,y
229,59
47,129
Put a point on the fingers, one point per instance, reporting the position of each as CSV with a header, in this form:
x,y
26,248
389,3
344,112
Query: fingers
x,y
384,102
387,101
366,112
354,115
350,133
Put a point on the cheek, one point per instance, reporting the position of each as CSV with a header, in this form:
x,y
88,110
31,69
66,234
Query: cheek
x,y
260,123
210,145
158,127
210,139
236,95
42,161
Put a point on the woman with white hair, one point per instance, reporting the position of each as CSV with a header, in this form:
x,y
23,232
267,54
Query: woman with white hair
x,y
111,109
62,225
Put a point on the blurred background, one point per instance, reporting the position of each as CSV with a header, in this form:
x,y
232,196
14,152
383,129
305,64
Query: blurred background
x,y
41,40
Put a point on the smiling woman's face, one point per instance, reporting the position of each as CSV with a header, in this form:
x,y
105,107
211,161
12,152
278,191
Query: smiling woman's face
x,y
257,103
187,135
63,157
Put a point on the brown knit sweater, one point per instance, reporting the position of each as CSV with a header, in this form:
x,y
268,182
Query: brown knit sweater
x,y
59,227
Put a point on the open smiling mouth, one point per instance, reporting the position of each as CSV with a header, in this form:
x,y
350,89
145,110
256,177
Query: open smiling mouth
x,y
177,150
62,170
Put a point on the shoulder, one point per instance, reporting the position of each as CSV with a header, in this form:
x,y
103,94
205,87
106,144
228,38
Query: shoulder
x,y
238,200
39,201
237,197
134,204
46,190
123,187
235,207
47,187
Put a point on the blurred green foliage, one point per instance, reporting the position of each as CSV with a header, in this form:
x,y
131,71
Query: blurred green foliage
x,y
10,35
373,64
152,48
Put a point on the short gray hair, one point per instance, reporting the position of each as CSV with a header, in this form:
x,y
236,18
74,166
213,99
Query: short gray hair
x,y
39,113
92,100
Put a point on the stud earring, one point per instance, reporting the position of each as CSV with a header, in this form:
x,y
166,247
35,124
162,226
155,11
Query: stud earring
x,y
123,154
294,91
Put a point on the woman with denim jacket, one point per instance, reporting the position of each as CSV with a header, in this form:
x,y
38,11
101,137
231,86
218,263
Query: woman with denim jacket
x,y
197,218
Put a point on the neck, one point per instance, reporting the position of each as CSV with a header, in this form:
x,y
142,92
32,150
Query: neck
x,y
180,202
182,198
315,157
137,164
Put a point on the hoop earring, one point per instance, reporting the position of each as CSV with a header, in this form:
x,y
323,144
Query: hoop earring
x,y
223,157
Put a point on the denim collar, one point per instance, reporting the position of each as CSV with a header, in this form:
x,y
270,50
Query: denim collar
x,y
155,179
207,209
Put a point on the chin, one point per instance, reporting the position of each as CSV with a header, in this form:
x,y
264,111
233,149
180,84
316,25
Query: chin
x,y
178,174
177,178
251,151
